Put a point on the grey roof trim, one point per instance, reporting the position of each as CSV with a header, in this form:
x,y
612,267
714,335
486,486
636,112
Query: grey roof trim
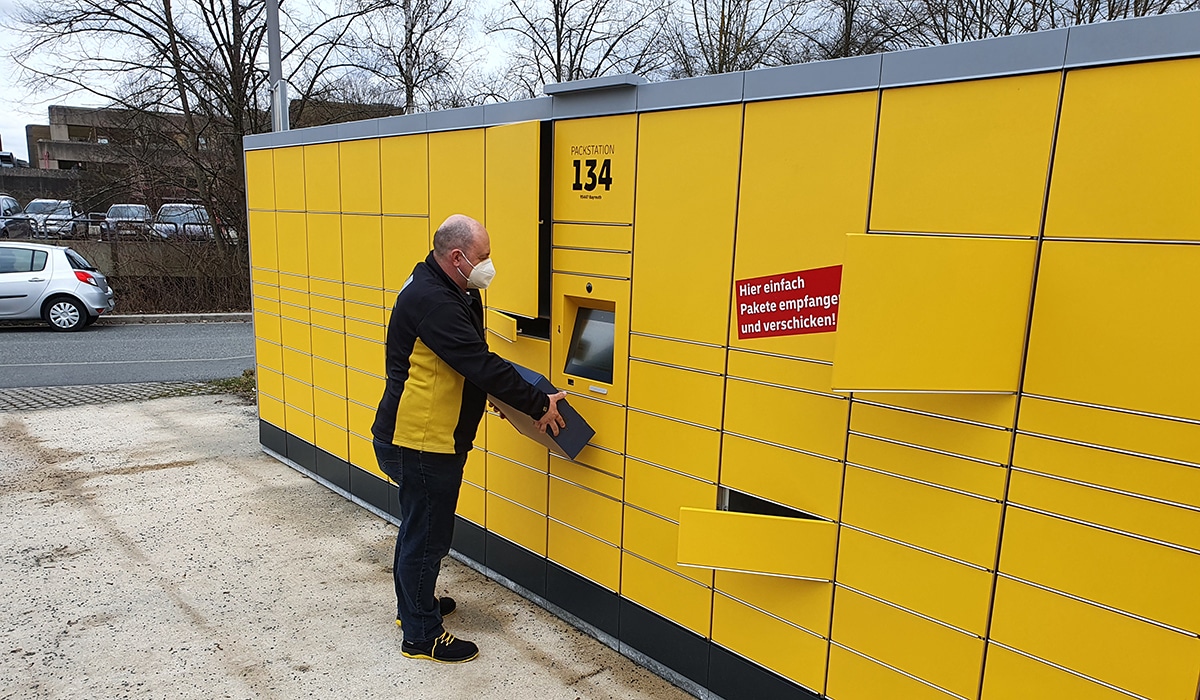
x,y
819,78
519,111
1140,39
254,142
362,129
691,92
604,81
452,119
403,124
308,136
594,103
1011,55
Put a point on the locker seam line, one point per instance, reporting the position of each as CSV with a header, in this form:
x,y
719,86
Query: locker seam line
x,y
675,420
605,496
514,502
681,576
949,234
924,550
924,616
1063,74
1138,241
925,448
927,414
1102,606
922,681
768,613
729,301
1072,672
588,467
931,484
1104,448
751,572
1109,529
581,531
1115,409
674,471
517,462
660,363
1108,489
802,390
797,450
797,358
879,92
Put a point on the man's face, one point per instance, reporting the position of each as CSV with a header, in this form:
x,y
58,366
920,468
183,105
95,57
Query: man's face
x,y
478,250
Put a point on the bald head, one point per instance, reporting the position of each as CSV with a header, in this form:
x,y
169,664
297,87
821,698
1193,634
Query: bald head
x,y
458,232
460,244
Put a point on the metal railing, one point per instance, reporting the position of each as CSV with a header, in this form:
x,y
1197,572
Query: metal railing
x,y
97,227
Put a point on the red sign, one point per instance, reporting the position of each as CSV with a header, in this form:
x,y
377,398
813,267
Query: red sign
x,y
794,303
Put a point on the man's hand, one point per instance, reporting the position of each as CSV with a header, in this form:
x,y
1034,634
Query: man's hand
x,y
553,419
493,406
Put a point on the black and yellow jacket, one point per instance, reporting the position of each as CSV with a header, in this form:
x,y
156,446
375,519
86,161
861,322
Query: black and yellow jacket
x,y
439,368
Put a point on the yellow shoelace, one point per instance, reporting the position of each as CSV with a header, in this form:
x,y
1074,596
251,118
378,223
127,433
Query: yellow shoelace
x,y
445,640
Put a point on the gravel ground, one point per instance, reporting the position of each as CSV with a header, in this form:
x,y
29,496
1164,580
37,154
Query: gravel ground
x,y
152,551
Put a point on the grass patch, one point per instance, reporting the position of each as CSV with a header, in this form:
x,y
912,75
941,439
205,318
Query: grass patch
x,y
243,387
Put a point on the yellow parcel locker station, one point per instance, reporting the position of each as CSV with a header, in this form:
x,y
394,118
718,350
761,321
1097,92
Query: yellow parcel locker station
x,y
890,359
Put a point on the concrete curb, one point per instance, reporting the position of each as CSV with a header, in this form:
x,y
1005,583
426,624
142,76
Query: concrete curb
x,y
125,319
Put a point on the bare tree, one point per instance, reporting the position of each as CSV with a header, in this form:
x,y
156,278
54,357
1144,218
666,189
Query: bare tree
x,y
720,36
842,28
1070,12
560,40
191,71
950,21
420,48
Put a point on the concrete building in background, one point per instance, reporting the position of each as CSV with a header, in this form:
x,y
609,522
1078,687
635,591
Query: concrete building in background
x,y
88,138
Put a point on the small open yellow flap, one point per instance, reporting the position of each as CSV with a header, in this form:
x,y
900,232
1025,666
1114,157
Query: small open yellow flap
x,y
502,325
757,544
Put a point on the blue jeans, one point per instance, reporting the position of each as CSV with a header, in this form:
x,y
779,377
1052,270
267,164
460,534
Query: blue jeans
x,y
429,485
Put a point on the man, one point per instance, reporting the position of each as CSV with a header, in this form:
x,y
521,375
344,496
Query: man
x,y
439,373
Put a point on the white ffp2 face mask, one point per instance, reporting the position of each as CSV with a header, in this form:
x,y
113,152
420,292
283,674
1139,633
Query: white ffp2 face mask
x,y
481,275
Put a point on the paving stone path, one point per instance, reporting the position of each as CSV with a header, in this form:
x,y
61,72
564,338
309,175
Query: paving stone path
x,y
33,398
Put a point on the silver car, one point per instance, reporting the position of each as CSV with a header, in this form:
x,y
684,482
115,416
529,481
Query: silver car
x,y
52,283
126,220
51,217
183,221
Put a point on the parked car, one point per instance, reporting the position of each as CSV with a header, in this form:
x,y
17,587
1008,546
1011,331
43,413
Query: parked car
x,y
12,222
52,218
126,220
183,221
53,283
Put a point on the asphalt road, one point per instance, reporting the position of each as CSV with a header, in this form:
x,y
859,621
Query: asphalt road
x,y
119,354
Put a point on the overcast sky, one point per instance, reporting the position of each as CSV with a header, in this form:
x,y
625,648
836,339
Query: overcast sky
x,y
18,107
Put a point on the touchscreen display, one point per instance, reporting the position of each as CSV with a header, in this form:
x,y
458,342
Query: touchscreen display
x,y
591,352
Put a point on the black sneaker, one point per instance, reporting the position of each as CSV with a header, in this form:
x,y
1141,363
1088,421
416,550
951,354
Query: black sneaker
x,y
446,649
446,604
